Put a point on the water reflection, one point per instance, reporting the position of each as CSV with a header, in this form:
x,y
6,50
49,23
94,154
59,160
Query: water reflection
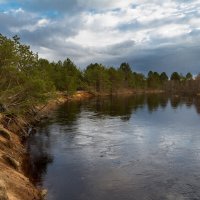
x,y
39,150
113,148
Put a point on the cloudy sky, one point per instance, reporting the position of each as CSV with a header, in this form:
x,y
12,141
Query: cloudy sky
x,y
149,34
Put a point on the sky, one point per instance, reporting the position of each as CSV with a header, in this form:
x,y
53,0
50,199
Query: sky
x,y
148,34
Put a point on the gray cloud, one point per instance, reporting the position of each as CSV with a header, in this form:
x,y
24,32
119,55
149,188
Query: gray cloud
x,y
49,5
150,34
169,60
66,6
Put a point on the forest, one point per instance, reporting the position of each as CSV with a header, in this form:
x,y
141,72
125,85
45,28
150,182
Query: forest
x,y
27,80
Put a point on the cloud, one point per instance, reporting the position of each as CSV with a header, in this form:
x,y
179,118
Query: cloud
x,y
150,34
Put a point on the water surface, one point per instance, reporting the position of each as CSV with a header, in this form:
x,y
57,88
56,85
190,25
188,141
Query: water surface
x,y
128,148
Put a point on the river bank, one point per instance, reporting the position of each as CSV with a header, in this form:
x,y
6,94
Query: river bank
x,y
126,92
14,184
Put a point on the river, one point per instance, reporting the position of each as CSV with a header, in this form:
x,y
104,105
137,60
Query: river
x,y
119,148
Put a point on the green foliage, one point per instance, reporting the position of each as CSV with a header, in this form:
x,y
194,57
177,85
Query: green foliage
x,y
13,53
115,79
175,76
26,81
163,77
125,67
153,80
97,78
139,81
21,85
72,75
188,76
126,74
64,75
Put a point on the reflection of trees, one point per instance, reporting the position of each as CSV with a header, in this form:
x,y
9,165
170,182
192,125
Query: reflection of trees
x,y
121,106
126,105
68,112
39,156
116,106
164,100
186,100
156,100
125,118
197,104
175,101
189,101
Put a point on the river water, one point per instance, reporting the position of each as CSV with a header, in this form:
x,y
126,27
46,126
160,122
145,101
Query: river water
x,y
128,148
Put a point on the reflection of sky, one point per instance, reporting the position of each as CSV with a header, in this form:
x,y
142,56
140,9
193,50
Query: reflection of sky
x,y
100,155
169,129
164,130
161,138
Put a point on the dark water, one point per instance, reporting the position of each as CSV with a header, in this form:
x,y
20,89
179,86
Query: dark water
x,y
133,148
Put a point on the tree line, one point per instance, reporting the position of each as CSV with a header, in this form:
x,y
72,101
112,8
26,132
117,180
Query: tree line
x,y
26,79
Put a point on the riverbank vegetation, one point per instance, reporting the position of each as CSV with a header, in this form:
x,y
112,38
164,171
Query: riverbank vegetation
x,y
27,80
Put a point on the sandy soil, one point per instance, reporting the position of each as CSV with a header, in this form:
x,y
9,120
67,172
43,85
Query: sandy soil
x,y
13,184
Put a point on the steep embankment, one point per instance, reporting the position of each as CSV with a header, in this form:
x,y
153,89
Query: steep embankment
x,y
14,185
